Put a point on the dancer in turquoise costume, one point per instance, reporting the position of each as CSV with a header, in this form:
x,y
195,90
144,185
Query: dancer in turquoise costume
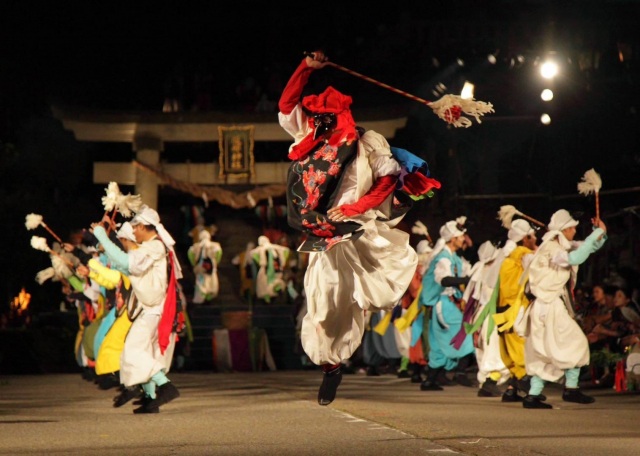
x,y
441,290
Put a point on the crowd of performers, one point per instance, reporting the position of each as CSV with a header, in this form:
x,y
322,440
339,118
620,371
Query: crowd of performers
x,y
513,317
124,281
347,191
365,288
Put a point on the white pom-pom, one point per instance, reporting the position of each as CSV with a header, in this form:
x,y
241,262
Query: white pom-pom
x,y
44,275
128,204
61,267
134,202
32,221
110,200
39,243
591,183
420,228
446,106
506,214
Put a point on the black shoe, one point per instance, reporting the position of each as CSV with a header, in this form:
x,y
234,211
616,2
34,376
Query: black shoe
x,y
330,382
416,377
347,369
372,372
429,385
444,380
89,374
108,381
147,408
534,402
164,394
489,389
575,395
462,379
126,395
511,395
142,400
404,374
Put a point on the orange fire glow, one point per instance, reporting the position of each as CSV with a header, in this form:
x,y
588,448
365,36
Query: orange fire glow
x,y
20,303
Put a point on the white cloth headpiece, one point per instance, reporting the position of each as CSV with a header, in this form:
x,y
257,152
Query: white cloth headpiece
x,y
520,228
450,230
126,232
487,252
423,247
560,220
148,216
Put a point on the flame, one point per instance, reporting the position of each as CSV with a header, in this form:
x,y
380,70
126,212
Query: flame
x,y
21,302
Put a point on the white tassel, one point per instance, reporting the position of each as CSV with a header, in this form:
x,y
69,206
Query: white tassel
x,y
33,221
506,214
591,183
128,204
420,228
61,267
471,107
111,199
44,275
39,243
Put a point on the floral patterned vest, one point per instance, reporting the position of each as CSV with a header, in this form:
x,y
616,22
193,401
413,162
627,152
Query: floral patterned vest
x,y
312,186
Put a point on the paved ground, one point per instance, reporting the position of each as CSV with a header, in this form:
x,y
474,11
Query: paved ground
x,y
275,413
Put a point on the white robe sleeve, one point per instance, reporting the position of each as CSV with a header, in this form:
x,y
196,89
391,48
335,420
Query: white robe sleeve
x,y
295,123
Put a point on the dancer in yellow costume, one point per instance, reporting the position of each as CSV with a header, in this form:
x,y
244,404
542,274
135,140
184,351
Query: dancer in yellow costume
x,y
517,253
108,358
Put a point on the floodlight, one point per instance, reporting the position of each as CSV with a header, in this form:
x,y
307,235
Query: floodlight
x,y
549,69
547,95
467,91
545,119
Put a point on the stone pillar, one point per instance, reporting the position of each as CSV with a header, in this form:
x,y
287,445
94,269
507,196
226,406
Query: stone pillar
x,y
147,151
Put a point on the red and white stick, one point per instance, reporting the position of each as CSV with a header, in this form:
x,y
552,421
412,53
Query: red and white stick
x,y
449,108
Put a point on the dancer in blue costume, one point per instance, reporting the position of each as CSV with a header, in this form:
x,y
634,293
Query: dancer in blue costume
x,y
441,290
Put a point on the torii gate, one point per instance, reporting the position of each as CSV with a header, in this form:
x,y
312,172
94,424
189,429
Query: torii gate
x,y
149,131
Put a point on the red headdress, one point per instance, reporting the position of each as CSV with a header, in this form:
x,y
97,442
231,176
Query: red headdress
x,y
328,102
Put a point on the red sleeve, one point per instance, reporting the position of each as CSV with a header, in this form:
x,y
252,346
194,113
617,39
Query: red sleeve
x,y
378,192
291,94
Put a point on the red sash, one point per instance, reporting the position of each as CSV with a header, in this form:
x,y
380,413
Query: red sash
x,y
165,326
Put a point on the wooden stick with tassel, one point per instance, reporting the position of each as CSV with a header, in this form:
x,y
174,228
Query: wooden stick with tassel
x,y
507,212
32,221
421,228
40,243
591,183
449,108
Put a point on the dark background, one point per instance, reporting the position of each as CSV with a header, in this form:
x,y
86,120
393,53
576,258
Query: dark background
x,y
129,56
